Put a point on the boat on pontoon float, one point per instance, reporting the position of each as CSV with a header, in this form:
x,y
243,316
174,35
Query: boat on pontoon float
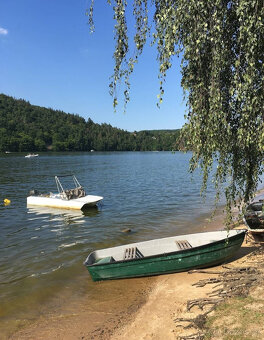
x,y
75,198
254,218
165,255
254,215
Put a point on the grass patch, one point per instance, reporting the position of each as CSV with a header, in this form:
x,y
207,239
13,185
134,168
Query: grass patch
x,y
237,319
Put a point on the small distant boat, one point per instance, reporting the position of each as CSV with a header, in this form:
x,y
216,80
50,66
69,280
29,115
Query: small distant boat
x,y
31,155
165,255
75,198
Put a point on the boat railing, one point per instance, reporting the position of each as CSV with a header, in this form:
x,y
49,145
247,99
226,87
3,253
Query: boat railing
x,y
69,194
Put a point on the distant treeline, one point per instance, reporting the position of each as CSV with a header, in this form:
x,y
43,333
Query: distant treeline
x,y
26,127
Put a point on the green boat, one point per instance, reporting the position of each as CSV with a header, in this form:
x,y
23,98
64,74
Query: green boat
x,y
165,255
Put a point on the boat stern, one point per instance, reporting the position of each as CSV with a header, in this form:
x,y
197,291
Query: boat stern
x,y
90,201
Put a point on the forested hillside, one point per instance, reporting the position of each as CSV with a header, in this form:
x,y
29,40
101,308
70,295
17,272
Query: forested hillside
x,y
26,127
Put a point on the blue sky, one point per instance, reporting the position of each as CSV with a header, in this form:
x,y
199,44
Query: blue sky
x,y
49,57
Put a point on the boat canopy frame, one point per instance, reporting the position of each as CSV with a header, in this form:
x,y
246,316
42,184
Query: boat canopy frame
x,y
76,192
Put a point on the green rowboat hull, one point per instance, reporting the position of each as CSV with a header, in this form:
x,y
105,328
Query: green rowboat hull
x,y
198,257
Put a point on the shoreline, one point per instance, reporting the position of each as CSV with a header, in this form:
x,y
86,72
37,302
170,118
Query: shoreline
x,y
83,316
156,300
150,314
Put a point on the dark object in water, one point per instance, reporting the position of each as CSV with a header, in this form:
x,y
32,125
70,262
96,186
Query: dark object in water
x,y
127,230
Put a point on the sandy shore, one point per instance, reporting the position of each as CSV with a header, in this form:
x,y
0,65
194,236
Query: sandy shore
x,y
146,308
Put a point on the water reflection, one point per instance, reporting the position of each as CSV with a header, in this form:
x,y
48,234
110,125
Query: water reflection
x,y
68,216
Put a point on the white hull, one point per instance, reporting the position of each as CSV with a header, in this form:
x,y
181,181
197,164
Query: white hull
x,y
55,201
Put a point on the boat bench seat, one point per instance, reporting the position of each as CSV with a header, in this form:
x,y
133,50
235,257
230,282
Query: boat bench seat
x,y
132,253
183,244
104,260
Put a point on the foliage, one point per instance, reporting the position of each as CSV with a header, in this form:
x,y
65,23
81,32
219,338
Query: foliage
x,y
221,46
25,127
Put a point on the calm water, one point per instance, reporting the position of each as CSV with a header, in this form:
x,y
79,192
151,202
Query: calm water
x,y
42,250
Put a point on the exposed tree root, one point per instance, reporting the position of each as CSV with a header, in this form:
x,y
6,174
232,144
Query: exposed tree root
x,y
196,336
231,282
201,303
197,322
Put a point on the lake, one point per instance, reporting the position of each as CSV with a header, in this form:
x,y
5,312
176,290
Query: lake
x,y
42,250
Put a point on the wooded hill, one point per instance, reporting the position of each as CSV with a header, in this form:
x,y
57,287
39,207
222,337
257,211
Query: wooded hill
x,y
26,127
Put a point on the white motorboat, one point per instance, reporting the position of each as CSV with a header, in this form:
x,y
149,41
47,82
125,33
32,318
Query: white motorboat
x,y
31,155
75,198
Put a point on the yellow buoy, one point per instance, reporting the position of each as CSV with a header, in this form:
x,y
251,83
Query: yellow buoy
x,y
6,201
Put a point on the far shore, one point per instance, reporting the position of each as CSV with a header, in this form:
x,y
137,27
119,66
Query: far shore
x,y
144,308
